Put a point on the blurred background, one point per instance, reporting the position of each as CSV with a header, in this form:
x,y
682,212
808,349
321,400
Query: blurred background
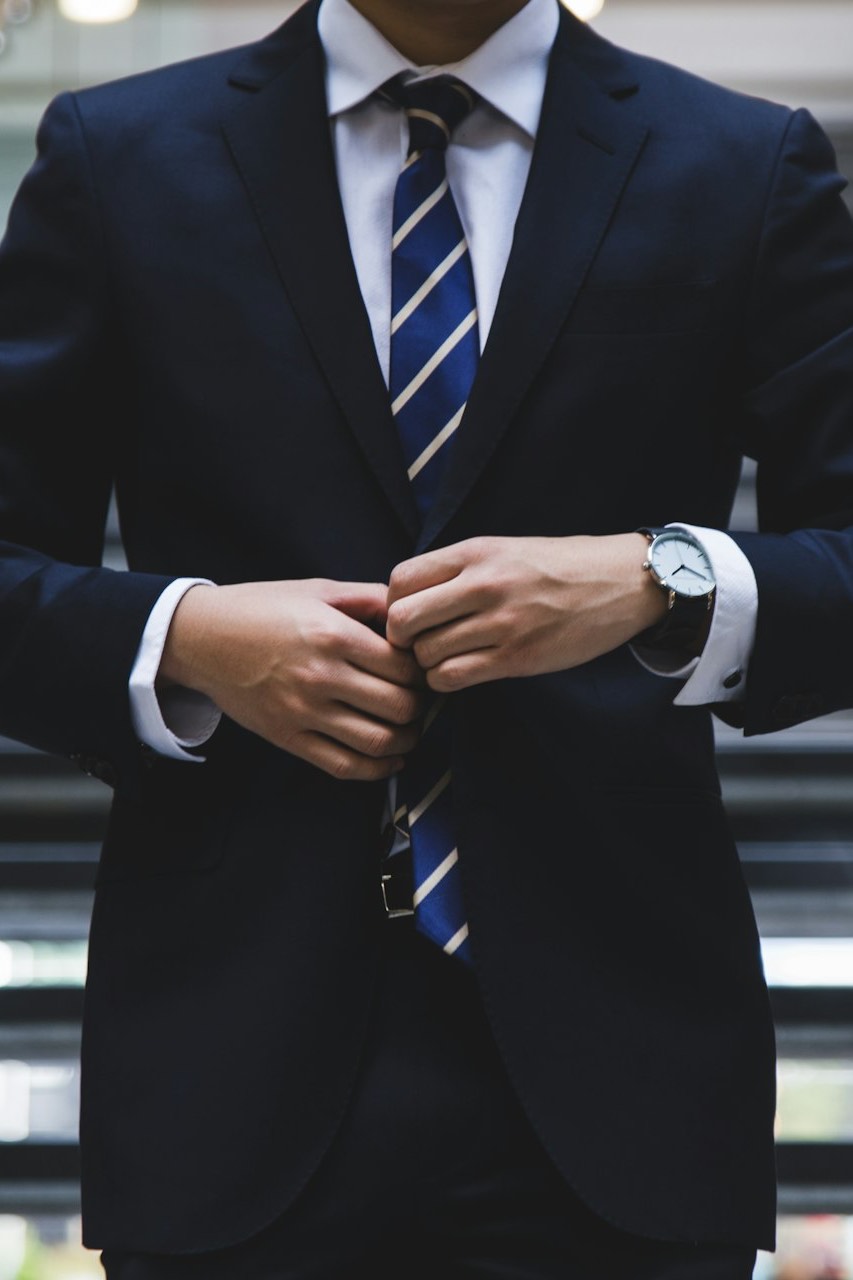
x,y
790,795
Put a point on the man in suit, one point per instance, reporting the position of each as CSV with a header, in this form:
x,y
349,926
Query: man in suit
x,y
209,298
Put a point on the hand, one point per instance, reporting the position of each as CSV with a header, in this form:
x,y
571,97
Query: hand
x,y
490,608
300,664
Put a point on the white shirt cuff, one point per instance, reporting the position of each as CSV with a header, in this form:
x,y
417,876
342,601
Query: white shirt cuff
x,y
177,718
719,673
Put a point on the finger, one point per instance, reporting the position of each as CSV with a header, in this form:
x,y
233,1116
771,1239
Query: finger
x,y
366,602
372,653
433,607
451,641
342,762
467,670
367,736
428,570
381,699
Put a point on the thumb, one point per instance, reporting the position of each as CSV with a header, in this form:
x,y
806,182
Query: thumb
x,y
366,602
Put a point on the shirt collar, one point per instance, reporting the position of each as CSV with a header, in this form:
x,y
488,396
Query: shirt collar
x,y
508,70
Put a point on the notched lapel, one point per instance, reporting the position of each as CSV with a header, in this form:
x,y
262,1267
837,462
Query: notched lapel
x,y
586,148
278,134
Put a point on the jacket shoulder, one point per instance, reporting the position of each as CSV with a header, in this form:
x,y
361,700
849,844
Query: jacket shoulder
x,y
682,99
192,92
676,101
183,90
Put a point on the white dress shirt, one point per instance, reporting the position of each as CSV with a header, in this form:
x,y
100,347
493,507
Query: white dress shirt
x,y
488,160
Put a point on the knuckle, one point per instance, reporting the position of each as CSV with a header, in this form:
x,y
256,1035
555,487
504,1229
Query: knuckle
x,y
387,740
404,707
342,767
314,675
424,651
453,676
483,547
398,616
484,594
326,637
302,712
509,627
444,680
378,742
399,577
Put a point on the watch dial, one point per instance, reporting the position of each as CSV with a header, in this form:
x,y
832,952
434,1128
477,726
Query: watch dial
x,y
682,565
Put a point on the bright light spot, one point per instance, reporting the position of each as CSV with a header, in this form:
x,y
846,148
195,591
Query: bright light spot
x,y
16,964
585,9
15,1081
97,10
13,1244
42,964
801,1074
808,962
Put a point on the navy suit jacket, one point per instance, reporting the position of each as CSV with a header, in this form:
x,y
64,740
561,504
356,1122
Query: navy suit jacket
x,y
180,317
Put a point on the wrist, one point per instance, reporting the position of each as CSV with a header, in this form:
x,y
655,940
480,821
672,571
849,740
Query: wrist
x,y
649,601
189,630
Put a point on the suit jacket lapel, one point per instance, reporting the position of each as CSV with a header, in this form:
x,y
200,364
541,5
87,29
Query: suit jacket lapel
x,y
586,147
278,133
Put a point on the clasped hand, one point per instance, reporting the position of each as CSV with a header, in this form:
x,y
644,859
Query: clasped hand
x,y
306,665
492,608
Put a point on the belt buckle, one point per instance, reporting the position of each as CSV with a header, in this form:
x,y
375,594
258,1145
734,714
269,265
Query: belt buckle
x,y
392,912
396,882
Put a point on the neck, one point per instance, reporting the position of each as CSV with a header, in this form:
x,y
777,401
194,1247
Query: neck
x,y
437,32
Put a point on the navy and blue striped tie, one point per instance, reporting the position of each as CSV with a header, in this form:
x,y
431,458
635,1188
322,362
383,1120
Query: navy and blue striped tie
x,y
435,350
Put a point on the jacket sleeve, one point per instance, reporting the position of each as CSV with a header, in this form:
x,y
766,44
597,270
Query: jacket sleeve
x,y
69,629
798,425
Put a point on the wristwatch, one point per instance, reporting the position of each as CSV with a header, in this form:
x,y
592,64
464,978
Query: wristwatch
x,y
679,564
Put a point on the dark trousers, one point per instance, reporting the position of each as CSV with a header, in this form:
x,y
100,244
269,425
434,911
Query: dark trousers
x,y
435,1173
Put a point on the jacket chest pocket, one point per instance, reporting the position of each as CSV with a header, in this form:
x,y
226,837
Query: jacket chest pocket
x,y
646,309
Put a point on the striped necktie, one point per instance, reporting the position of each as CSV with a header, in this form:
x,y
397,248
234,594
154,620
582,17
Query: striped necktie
x,y
435,350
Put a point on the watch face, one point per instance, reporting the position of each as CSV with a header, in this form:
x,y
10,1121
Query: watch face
x,y
681,564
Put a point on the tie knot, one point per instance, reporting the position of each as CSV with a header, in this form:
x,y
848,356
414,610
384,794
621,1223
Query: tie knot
x,y
434,108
